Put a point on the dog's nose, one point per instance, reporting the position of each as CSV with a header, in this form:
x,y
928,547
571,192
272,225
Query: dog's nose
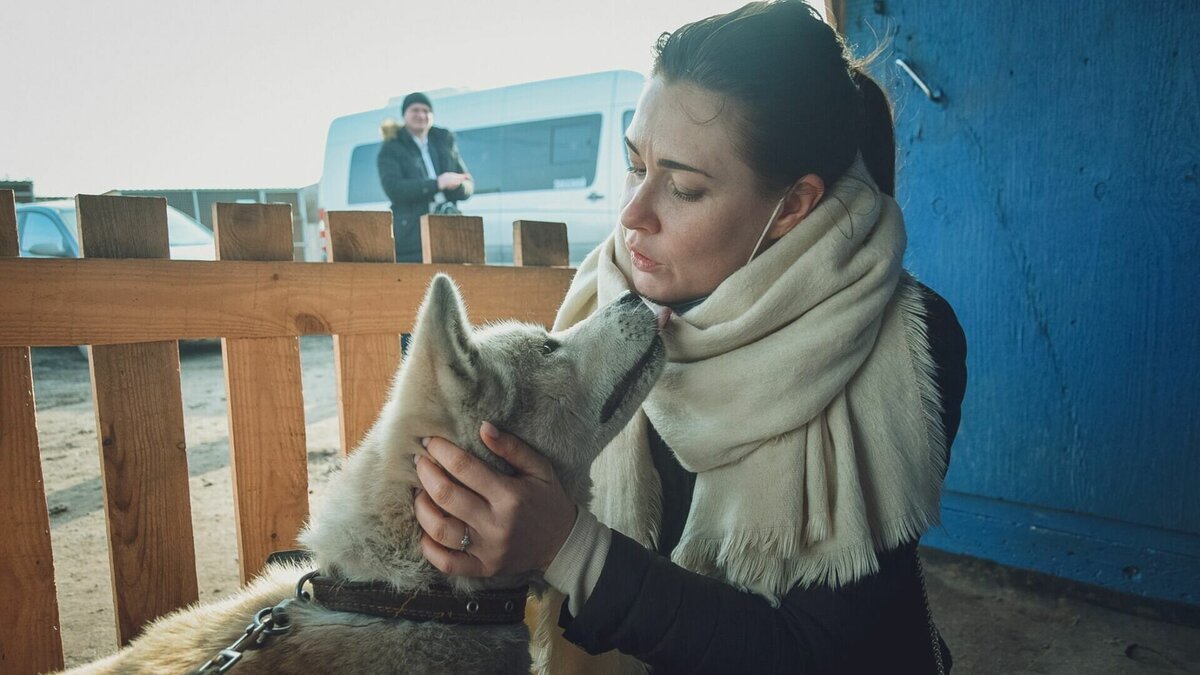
x,y
630,298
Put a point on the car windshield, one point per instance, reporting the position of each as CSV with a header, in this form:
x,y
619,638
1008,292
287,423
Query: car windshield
x,y
68,218
183,231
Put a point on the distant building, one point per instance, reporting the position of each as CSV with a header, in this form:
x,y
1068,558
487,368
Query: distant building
x,y
22,188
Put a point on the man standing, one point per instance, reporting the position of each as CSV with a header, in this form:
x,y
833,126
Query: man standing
x,y
420,168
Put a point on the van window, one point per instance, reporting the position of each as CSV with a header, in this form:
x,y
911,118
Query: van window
x,y
364,175
544,155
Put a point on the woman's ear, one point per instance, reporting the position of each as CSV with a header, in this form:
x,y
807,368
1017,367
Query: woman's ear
x,y
801,199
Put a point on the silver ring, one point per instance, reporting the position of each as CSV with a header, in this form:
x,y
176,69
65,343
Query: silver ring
x,y
466,540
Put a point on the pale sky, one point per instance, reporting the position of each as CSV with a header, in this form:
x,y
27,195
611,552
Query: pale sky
x,y
240,93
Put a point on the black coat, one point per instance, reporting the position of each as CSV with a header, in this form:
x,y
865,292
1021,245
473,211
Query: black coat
x,y
678,621
404,179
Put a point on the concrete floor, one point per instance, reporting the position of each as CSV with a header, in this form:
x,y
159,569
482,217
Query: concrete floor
x,y
996,620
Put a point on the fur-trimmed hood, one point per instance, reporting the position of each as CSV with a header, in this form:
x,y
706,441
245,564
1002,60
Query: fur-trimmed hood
x,y
391,129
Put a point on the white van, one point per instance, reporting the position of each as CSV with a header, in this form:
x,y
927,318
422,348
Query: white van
x,y
551,150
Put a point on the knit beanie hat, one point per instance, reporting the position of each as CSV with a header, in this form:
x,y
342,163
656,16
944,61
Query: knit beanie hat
x,y
415,97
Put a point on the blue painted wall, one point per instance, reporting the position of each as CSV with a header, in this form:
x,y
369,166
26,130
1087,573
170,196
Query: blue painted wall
x,y
1052,198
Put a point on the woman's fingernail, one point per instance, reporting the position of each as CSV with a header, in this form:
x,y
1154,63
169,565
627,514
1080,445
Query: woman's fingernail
x,y
416,459
425,442
490,430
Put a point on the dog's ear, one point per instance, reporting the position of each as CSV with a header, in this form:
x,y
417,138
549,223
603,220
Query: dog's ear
x,y
443,331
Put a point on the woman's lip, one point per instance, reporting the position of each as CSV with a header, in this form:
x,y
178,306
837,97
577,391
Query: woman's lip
x,y
642,262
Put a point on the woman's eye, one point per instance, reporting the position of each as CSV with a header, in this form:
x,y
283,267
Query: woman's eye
x,y
637,171
685,195
548,347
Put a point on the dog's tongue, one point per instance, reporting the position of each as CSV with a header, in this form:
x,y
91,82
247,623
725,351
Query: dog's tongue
x,y
664,315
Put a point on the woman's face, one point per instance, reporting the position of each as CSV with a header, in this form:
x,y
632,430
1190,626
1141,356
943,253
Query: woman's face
x,y
691,213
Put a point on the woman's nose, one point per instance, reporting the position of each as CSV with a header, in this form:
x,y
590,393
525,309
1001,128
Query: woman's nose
x,y
638,211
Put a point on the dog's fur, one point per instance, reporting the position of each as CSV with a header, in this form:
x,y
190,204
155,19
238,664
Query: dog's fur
x,y
567,394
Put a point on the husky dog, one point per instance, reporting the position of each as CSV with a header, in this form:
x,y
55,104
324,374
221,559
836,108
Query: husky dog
x,y
566,394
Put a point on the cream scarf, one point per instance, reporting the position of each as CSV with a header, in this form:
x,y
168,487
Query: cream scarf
x,y
801,395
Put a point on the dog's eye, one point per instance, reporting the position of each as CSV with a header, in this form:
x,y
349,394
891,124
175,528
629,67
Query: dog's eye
x,y
548,347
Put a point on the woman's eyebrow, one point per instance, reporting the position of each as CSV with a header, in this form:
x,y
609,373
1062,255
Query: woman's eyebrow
x,y
669,163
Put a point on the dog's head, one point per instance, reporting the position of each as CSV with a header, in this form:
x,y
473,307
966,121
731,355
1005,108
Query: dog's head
x,y
565,393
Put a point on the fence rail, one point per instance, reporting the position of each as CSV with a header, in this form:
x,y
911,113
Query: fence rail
x,y
132,306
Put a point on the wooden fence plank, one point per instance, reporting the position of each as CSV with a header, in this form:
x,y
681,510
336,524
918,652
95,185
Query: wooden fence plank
x,y
540,244
361,236
69,302
363,364
30,641
139,418
9,246
269,458
452,239
537,243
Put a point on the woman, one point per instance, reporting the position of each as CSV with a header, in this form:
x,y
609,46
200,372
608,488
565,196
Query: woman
x,y
761,514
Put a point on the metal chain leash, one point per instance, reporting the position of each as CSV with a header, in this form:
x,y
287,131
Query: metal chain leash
x,y
269,622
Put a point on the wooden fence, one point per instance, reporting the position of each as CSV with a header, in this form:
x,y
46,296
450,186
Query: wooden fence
x,y
132,305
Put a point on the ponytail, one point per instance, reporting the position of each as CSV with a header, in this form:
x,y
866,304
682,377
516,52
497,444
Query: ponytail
x,y
877,137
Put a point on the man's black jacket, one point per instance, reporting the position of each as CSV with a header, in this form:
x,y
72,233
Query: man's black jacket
x,y
406,182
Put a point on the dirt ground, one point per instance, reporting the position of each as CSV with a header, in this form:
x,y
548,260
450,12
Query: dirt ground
x,y
992,626
71,470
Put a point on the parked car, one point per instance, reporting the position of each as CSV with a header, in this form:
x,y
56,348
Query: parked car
x,y
550,150
51,230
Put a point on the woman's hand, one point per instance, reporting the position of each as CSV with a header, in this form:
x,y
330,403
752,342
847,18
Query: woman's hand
x,y
516,523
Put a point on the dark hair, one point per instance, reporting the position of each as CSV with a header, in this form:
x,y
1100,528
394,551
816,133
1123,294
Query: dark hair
x,y
415,97
789,75
877,142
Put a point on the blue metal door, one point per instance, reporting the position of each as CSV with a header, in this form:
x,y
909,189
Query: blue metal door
x,y
1051,197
